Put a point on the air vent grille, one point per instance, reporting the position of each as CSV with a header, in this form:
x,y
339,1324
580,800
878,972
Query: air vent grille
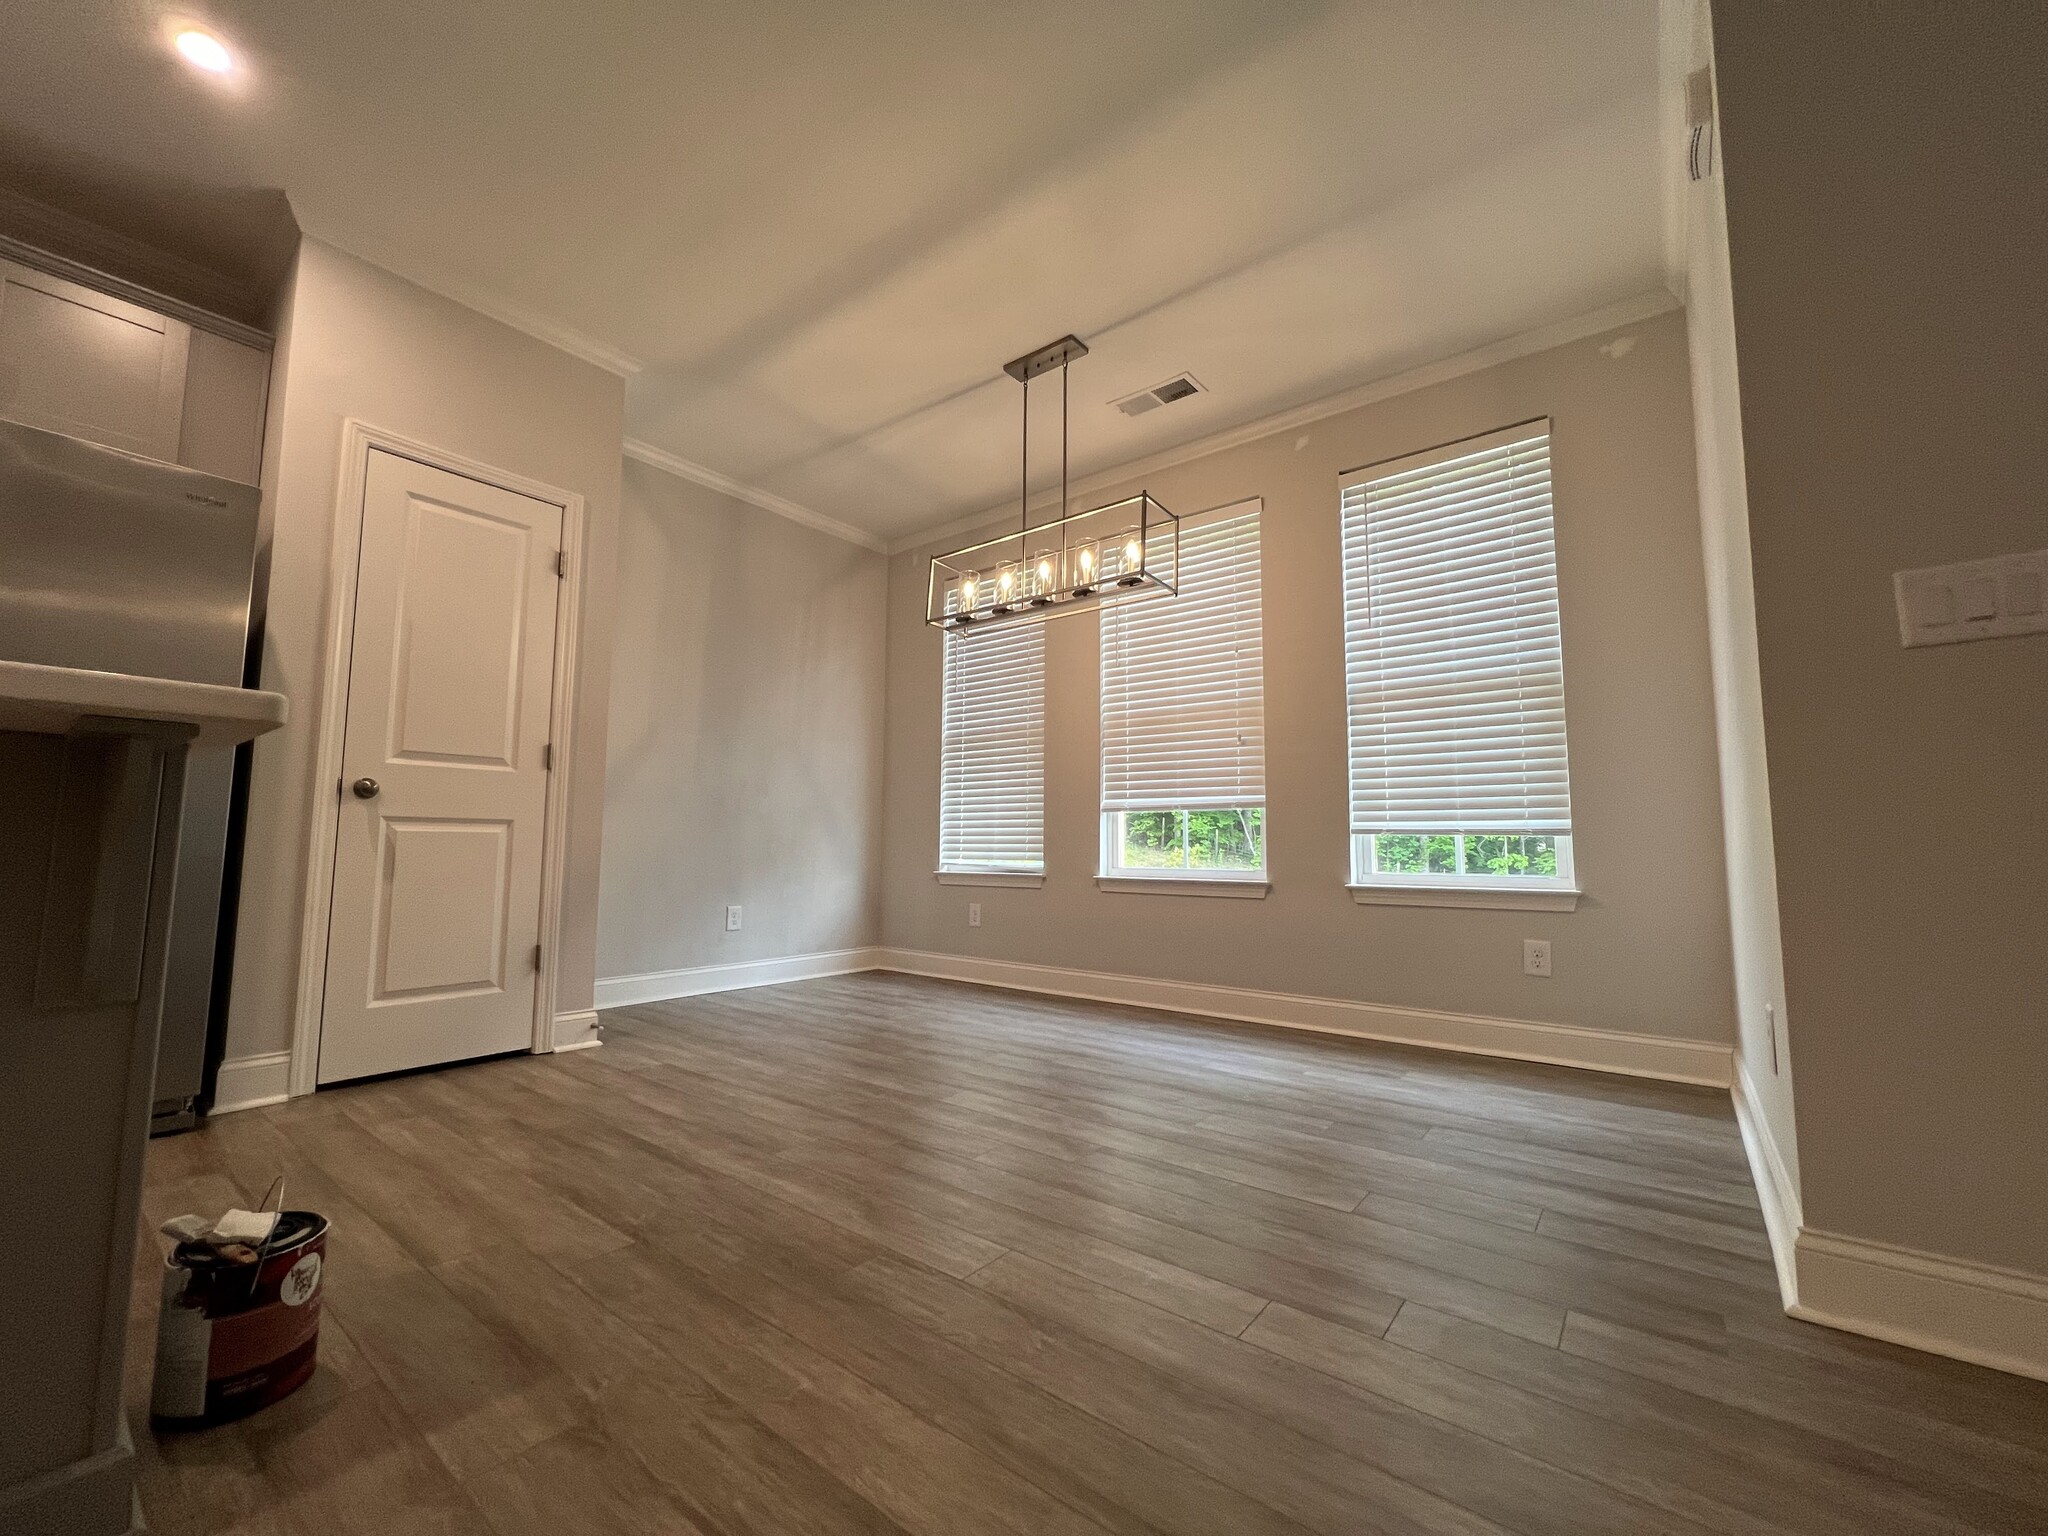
x,y
1177,388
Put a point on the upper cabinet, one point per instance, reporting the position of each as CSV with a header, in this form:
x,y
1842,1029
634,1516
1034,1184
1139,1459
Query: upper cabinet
x,y
95,367
81,362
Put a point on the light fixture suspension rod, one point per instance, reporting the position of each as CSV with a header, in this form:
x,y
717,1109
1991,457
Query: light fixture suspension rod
x,y
1063,440
1024,466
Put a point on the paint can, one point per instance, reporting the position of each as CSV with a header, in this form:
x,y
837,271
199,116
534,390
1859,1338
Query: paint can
x,y
232,1338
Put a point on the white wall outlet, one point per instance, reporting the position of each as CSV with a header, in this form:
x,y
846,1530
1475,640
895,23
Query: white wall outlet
x,y
1535,957
1973,600
732,919
974,914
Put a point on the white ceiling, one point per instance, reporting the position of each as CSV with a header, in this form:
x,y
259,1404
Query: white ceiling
x,y
819,229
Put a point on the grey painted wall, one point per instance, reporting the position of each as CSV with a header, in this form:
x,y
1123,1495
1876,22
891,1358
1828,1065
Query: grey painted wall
x,y
1887,215
357,341
1647,951
746,735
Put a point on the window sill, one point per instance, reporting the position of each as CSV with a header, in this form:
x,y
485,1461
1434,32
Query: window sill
x,y
1465,896
987,877
1186,885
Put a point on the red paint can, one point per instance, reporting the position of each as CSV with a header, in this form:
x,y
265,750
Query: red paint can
x,y
232,1338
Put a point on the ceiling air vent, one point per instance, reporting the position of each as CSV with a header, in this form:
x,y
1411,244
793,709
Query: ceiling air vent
x,y
1144,400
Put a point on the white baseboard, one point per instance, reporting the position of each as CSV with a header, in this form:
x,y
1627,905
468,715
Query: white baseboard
x,y
693,981
1773,1180
94,1496
249,1082
1681,1061
1974,1312
577,1031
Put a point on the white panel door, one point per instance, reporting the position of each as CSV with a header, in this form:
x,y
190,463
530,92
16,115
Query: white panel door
x,y
437,864
90,366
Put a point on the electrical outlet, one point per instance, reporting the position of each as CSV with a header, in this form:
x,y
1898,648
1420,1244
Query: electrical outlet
x,y
974,914
1536,957
732,919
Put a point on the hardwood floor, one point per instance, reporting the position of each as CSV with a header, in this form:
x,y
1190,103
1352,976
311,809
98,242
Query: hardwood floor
x,y
881,1254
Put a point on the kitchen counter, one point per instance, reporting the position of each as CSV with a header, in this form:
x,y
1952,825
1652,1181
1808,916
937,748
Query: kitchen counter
x,y
51,701
92,778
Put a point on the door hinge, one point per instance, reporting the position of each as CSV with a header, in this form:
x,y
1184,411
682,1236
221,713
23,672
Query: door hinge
x,y
536,957
547,757
561,562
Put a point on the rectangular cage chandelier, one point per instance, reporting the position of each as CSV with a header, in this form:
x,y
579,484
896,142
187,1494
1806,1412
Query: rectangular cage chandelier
x,y
1127,550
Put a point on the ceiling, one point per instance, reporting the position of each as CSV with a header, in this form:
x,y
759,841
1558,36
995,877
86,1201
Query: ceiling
x,y
814,232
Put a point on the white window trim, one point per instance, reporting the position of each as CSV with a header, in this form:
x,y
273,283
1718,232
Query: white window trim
x,y
989,877
1370,887
1109,873
1535,893
1112,876
1180,883
1492,893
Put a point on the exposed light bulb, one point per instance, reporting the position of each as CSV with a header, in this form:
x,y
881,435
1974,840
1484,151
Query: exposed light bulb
x,y
970,588
1006,582
1134,554
1045,572
203,50
1087,559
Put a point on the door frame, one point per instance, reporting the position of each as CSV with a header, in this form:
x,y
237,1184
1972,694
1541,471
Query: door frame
x,y
358,440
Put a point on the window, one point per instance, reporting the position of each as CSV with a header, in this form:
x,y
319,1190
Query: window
x,y
1183,715
1454,674
992,753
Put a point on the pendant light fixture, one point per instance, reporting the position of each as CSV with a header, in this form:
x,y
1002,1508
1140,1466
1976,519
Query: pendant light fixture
x,y
1127,549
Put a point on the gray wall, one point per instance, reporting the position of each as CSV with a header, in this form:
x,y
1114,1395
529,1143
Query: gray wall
x,y
746,735
1887,216
357,341
1647,951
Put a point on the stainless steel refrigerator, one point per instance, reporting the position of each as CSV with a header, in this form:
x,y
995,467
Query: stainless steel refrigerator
x,y
125,564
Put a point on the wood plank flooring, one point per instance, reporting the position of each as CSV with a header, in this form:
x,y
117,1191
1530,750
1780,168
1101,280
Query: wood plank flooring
x,y
885,1255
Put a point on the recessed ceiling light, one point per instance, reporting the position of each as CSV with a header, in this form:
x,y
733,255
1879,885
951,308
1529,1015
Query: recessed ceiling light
x,y
204,51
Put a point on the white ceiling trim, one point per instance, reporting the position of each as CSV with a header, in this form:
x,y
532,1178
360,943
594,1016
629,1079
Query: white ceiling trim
x,y
1643,306
109,250
541,327
767,501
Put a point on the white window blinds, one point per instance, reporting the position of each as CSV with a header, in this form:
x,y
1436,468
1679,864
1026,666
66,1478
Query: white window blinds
x,y
1183,679
992,768
1452,658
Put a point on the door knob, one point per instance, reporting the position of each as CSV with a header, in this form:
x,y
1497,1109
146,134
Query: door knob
x,y
366,789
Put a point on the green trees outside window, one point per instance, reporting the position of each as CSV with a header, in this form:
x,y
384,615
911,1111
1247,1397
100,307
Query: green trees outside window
x,y
1197,840
1458,853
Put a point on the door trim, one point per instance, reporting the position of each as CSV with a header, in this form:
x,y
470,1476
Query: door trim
x,y
358,439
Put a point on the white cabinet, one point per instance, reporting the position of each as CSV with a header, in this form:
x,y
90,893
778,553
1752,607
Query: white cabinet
x,y
84,363
79,362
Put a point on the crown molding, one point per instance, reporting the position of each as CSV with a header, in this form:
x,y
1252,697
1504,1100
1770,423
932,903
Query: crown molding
x,y
1643,306
767,501
495,306
562,338
103,253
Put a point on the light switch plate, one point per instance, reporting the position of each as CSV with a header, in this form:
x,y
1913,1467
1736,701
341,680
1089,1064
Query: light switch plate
x,y
1973,600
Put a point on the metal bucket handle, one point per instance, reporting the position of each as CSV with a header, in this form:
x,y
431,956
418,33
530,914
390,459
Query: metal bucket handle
x,y
275,1192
